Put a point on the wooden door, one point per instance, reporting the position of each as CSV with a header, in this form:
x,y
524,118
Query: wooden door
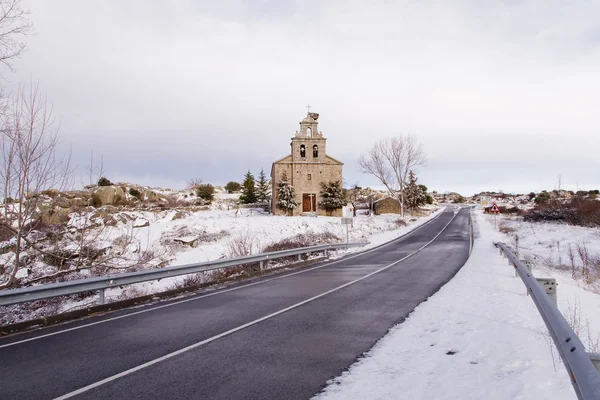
x,y
306,200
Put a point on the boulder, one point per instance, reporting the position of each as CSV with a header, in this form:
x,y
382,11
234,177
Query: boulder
x,y
150,195
178,215
62,202
45,207
84,194
55,217
51,192
109,195
140,223
187,240
78,202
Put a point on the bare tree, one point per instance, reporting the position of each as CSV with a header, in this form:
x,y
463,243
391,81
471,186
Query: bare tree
x,y
29,165
194,183
15,26
390,161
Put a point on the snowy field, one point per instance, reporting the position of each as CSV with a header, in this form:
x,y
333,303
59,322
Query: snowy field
x,y
480,336
262,229
178,237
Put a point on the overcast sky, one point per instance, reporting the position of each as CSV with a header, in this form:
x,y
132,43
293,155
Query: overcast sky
x,y
503,95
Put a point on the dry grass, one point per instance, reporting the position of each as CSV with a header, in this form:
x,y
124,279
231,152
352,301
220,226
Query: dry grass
x,y
506,228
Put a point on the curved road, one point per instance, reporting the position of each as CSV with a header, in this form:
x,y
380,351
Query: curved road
x,y
277,337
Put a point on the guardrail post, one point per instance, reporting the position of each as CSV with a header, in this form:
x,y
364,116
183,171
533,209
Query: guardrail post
x,y
549,286
299,257
595,357
101,295
262,265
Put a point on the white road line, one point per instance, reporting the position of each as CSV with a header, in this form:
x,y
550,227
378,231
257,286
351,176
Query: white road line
x,y
239,328
215,293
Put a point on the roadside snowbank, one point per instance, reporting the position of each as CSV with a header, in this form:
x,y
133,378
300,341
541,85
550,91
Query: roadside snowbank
x,y
479,337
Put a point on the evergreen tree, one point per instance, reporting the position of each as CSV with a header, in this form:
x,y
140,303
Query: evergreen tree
x,y
248,195
332,196
414,193
262,191
286,195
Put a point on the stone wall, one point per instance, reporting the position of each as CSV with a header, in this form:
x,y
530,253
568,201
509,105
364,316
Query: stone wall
x,y
386,205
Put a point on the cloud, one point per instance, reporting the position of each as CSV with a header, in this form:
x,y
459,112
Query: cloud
x,y
224,83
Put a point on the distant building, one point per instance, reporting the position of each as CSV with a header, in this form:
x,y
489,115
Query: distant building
x,y
305,168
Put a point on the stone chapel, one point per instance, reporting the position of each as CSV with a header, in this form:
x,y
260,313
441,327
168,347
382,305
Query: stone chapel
x,y
305,168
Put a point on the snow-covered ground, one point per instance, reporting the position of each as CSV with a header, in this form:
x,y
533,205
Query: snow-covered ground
x,y
262,229
178,237
479,337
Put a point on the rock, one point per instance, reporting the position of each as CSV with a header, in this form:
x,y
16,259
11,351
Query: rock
x,y
150,195
51,192
110,220
45,207
178,215
140,223
105,195
187,240
62,202
54,217
109,195
84,194
109,209
78,202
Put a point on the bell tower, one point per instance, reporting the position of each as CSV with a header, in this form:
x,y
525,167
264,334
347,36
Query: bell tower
x,y
308,145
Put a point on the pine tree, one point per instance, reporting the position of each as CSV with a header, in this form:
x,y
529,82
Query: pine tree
x,y
414,194
262,191
248,195
332,196
286,195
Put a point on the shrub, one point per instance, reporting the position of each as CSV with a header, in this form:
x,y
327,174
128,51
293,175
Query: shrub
x,y
58,258
135,193
506,229
400,222
579,211
104,182
232,187
542,198
302,240
459,199
205,191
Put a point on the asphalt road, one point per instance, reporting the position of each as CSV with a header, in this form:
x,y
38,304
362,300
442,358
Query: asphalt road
x,y
281,337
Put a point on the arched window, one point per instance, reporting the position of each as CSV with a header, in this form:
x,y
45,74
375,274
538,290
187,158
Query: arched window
x,y
302,150
315,151
308,132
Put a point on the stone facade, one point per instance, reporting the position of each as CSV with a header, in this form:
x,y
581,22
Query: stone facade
x,y
305,168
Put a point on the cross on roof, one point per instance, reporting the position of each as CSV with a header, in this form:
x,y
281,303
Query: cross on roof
x,y
308,108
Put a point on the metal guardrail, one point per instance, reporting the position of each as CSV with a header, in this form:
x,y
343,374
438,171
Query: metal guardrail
x,y
101,283
584,376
